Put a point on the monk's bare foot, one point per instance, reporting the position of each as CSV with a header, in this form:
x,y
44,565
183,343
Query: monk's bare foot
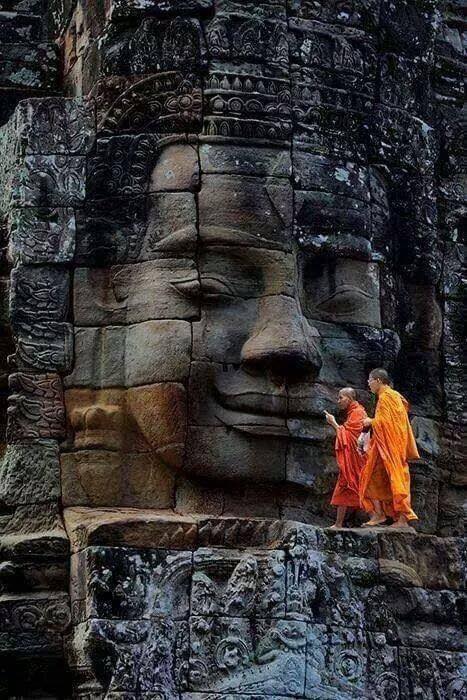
x,y
401,524
336,527
373,522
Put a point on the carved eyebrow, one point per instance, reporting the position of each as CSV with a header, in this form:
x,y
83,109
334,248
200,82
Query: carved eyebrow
x,y
236,237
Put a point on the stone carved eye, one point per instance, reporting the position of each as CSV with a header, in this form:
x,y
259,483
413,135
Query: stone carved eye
x,y
344,301
208,289
342,290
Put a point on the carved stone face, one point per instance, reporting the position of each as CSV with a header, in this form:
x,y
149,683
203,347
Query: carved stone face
x,y
214,351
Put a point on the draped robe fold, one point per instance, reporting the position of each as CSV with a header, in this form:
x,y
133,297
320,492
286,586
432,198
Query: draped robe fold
x,y
349,460
385,476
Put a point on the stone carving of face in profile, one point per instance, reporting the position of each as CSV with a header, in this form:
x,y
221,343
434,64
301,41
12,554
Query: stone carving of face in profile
x,y
211,354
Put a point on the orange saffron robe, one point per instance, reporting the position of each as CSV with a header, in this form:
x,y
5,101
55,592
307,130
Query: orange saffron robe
x,y
349,459
385,476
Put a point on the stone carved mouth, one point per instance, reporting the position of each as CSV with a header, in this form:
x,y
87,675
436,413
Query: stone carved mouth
x,y
268,415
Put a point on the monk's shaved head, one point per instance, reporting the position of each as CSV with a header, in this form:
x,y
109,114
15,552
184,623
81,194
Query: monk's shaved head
x,y
349,391
381,374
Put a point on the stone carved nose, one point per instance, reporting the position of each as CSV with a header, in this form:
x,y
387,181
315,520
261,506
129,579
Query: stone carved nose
x,y
283,342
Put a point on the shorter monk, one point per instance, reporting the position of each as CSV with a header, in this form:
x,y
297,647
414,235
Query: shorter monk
x,y
349,458
385,479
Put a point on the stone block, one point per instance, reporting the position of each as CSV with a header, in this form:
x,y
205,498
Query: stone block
x,y
429,635
349,353
39,538
161,103
128,8
44,612
110,234
154,44
34,573
109,479
437,561
363,14
129,527
348,664
229,108
244,160
216,392
30,474
321,213
191,497
238,271
315,172
40,236
347,56
44,347
16,28
234,583
159,412
252,499
130,584
132,293
170,226
356,543
311,463
234,655
241,210
245,532
29,66
404,83
25,525
54,125
38,294
177,169
409,28
402,140
453,278
24,6
50,181
220,452
134,655
36,409
145,353
343,290
121,166
432,673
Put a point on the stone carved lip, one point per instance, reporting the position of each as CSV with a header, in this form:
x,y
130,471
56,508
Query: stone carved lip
x,y
268,415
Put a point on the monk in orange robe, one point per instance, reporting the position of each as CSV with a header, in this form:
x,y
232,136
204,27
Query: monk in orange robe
x,y
349,458
385,479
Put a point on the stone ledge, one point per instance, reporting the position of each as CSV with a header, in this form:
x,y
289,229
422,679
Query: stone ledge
x,y
404,558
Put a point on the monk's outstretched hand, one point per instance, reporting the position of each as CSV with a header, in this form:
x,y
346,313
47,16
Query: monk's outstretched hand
x,y
330,419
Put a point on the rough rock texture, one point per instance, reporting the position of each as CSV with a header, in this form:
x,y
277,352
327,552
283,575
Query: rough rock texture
x,y
213,214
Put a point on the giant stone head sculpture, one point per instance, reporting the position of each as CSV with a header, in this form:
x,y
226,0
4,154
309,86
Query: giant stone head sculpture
x,y
211,350
228,281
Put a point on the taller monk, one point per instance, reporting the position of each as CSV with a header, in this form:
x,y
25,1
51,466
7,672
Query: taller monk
x,y
349,459
385,478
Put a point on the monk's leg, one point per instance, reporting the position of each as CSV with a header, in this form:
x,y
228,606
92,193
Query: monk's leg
x,y
378,492
340,517
377,516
